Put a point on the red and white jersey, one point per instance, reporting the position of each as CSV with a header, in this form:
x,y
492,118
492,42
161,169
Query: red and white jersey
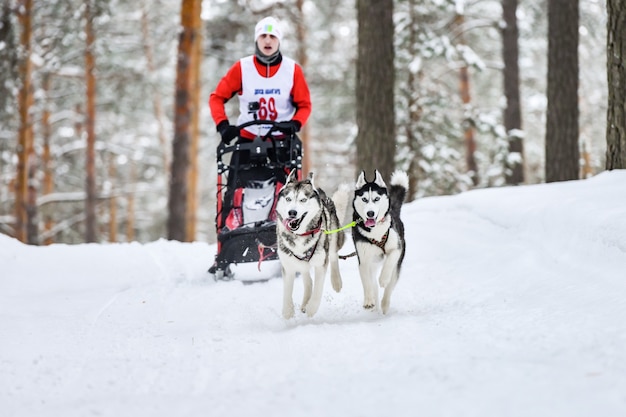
x,y
273,94
285,76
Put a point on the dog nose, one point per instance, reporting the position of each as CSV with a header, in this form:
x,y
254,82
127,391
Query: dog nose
x,y
370,214
292,213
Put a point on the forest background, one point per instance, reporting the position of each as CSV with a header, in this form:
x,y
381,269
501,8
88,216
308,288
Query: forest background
x,y
135,49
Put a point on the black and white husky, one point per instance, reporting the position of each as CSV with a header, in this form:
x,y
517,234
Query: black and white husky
x,y
379,234
304,216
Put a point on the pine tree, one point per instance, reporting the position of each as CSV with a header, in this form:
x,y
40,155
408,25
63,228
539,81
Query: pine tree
x,y
376,142
562,151
91,223
512,111
179,184
616,114
25,207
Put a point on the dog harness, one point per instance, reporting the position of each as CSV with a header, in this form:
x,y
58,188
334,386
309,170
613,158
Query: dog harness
x,y
381,243
308,254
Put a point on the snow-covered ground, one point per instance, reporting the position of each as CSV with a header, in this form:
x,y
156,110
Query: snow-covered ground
x,y
511,302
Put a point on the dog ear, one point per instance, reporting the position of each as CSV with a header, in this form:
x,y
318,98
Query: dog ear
x,y
361,181
310,178
379,180
291,176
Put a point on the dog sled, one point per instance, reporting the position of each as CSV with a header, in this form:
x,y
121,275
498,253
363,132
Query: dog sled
x,y
249,177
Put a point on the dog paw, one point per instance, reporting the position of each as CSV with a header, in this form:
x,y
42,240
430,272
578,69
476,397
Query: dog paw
x,y
311,312
288,312
370,301
311,309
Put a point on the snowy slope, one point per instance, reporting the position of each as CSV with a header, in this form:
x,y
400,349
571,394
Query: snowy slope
x,y
510,303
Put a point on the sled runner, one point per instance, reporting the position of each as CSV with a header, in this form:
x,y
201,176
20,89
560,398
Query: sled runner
x,y
249,176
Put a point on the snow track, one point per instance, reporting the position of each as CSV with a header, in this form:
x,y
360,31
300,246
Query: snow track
x,y
510,303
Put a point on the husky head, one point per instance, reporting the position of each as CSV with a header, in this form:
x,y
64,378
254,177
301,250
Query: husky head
x,y
298,204
371,202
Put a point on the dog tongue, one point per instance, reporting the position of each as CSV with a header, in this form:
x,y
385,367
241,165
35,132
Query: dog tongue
x,y
370,222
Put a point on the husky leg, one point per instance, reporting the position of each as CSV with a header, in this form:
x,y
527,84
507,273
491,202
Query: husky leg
x,y
386,300
389,268
308,284
288,278
335,275
318,289
370,290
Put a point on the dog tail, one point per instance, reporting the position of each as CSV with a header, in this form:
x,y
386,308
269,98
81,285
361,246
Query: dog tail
x,y
341,197
399,185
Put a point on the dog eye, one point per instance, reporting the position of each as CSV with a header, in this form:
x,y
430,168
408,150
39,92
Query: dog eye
x,y
364,199
376,199
303,200
288,199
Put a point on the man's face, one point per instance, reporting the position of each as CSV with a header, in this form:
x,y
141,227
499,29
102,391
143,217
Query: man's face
x,y
268,44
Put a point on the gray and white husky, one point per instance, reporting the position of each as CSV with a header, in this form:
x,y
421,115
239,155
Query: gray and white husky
x,y
304,214
379,234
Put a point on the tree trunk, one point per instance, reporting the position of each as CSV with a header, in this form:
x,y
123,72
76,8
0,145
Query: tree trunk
x,y
562,150
196,87
414,171
90,124
302,59
176,229
512,111
112,200
159,115
466,98
375,141
9,56
130,215
46,161
23,211
616,66
32,229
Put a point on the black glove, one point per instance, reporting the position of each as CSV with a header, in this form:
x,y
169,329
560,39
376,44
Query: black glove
x,y
227,131
290,127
